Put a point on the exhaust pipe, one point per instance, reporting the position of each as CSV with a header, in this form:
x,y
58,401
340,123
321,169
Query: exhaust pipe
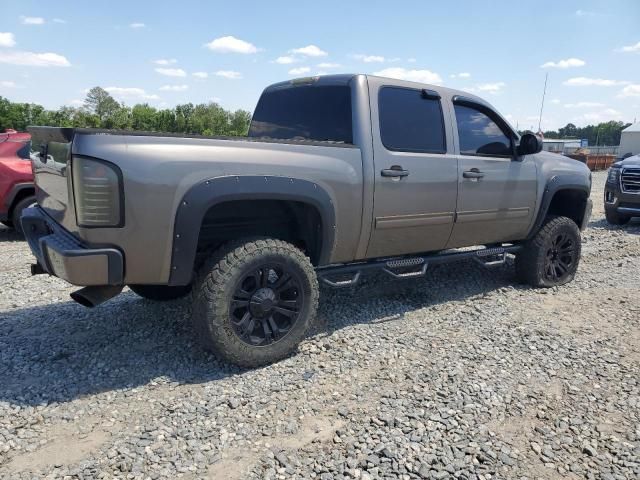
x,y
93,296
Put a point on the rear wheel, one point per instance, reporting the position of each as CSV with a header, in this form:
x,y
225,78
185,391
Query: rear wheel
x,y
614,218
17,212
160,293
254,301
552,256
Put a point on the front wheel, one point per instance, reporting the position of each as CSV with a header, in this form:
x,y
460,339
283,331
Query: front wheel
x,y
160,293
254,301
552,256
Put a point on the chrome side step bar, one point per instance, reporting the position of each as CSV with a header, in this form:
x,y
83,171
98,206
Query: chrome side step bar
x,y
347,275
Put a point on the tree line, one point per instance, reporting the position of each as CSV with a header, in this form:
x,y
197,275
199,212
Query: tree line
x,y
101,110
605,133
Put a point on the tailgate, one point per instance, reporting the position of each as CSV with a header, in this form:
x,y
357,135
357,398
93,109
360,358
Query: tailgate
x,y
51,157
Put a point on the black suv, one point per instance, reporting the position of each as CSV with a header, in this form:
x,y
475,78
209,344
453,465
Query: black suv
x,y
622,192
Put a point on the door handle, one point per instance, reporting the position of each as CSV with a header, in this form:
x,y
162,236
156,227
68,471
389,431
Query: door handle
x,y
473,173
394,171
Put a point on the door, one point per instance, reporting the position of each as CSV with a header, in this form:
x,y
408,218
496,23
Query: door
x,y
496,190
415,174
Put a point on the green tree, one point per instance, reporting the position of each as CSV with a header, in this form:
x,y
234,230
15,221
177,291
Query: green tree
x,y
99,102
101,110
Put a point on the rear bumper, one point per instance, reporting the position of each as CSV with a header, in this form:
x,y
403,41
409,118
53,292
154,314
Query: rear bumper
x,y
61,254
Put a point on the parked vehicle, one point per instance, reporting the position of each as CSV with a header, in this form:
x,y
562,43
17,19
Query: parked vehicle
x,y
16,178
622,191
340,174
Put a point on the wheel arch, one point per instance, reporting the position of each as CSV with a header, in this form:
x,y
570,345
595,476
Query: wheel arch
x,y
565,195
18,192
215,192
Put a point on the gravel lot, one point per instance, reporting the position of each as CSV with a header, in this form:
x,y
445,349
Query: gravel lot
x,y
463,374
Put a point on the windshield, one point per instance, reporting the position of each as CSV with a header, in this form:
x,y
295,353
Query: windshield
x,y
308,112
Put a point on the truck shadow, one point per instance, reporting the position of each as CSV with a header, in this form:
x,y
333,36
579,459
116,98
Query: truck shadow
x,y
62,351
9,235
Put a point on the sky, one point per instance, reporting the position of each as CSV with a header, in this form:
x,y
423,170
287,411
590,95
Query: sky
x,y
165,53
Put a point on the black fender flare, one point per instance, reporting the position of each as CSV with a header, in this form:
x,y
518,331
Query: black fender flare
x,y
208,193
557,183
15,191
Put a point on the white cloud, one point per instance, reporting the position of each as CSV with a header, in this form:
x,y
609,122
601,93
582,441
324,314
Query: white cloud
x,y
299,71
31,20
7,39
583,105
310,51
174,88
568,63
631,48
460,75
231,44
555,101
165,61
369,58
286,60
122,93
31,59
7,84
490,87
229,74
421,76
585,13
76,102
597,117
136,25
171,72
411,60
200,74
59,20
587,82
329,65
632,90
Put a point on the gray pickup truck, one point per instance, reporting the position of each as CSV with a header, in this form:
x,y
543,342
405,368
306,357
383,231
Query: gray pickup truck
x,y
339,175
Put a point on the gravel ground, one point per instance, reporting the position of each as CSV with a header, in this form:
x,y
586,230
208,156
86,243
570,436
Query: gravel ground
x,y
463,374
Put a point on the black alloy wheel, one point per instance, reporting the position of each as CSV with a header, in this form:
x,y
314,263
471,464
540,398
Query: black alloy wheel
x,y
560,258
266,304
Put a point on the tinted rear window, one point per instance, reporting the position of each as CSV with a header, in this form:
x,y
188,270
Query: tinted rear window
x,y
409,122
304,113
23,152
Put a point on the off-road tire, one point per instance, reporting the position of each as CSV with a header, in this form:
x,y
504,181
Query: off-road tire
x,y
614,218
532,263
218,280
161,293
17,212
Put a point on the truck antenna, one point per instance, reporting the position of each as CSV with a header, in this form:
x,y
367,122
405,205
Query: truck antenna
x,y
544,92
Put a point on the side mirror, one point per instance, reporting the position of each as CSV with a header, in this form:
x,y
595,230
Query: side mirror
x,y
529,143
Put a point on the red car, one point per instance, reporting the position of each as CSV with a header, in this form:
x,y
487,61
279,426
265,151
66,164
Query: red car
x,y
16,178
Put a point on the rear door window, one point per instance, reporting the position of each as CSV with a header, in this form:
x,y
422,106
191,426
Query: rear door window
x,y
410,122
